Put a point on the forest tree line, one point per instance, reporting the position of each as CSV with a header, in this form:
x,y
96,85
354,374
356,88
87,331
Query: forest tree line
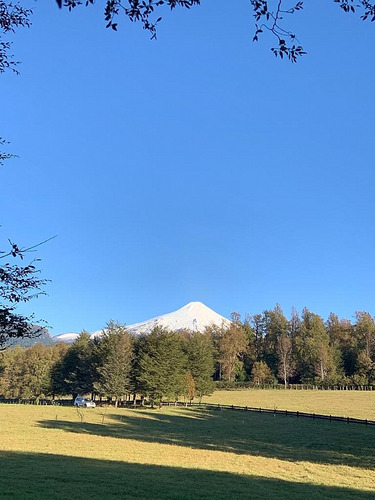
x,y
116,365
265,348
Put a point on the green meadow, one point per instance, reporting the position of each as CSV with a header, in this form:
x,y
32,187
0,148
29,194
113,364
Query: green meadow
x,y
54,452
356,404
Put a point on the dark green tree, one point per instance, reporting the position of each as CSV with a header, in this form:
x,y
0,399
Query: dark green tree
x,y
314,355
343,345
257,323
74,374
199,351
364,330
114,355
161,365
275,326
250,354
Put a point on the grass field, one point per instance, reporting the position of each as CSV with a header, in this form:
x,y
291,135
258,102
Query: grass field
x,y
356,404
49,453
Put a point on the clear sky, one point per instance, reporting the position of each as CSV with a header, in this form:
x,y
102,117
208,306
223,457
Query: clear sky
x,y
192,168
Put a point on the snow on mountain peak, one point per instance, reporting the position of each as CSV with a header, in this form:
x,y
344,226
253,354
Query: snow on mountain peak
x,y
68,338
193,316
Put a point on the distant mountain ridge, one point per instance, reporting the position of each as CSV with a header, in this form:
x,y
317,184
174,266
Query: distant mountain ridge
x,y
42,336
193,316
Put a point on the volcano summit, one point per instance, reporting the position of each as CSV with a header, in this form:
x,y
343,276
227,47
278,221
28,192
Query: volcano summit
x,y
194,316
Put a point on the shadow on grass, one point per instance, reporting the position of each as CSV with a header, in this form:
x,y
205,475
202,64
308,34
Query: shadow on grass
x,y
40,476
238,432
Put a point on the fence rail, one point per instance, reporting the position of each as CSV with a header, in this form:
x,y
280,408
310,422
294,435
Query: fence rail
x,y
230,386
207,406
275,411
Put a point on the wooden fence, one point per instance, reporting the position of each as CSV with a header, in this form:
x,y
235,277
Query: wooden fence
x,y
206,406
230,386
274,411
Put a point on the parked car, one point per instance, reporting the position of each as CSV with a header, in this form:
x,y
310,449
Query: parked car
x,y
84,402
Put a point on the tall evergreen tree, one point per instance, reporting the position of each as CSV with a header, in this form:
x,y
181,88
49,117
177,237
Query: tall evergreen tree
x,y
364,330
276,327
315,358
250,355
294,329
74,374
114,352
162,365
258,326
199,352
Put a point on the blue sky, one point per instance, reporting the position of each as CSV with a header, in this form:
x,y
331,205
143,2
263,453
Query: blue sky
x,y
192,168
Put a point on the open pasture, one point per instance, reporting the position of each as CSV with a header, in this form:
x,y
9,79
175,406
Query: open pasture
x,y
174,453
356,404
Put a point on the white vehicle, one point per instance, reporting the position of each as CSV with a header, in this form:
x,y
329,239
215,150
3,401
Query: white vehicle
x,y
84,402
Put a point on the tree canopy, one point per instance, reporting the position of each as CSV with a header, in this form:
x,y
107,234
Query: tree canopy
x,y
12,16
18,283
270,16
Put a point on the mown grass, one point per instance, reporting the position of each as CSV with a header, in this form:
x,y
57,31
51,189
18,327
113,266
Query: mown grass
x,y
356,404
174,453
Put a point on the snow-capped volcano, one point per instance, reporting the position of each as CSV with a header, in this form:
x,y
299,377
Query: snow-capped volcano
x,y
194,316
